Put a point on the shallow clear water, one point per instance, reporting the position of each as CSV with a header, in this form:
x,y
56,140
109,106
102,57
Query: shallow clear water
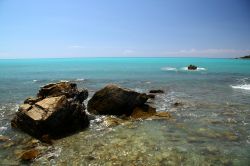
x,y
211,127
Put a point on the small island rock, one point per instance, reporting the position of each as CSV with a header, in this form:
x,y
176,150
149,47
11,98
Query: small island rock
x,y
192,67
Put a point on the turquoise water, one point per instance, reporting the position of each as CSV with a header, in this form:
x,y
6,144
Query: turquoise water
x,y
211,127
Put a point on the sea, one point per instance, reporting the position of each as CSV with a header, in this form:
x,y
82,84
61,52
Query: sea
x,y
210,126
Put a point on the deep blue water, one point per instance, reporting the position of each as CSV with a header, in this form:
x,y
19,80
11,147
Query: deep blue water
x,y
218,87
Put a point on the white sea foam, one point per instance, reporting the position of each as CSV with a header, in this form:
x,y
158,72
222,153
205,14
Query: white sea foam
x,y
169,69
243,86
34,80
198,69
3,128
64,81
80,79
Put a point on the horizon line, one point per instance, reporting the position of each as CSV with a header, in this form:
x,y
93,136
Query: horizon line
x,y
24,58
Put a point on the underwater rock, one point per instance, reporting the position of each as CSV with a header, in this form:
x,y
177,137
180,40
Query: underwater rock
x,y
30,154
143,112
162,115
57,111
192,67
4,138
156,91
114,100
112,121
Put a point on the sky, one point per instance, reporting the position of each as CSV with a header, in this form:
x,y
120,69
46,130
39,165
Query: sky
x,y
124,28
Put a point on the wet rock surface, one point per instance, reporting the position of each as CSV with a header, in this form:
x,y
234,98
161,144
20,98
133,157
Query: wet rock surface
x,y
114,100
56,111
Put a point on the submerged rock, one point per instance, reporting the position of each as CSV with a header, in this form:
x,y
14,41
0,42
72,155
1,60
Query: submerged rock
x,y
112,121
192,67
30,154
114,100
57,111
4,138
143,112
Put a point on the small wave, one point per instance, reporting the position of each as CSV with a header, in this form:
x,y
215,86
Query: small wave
x,y
64,81
80,79
169,69
198,69
35,80
244,86
3,128
139,90
201,68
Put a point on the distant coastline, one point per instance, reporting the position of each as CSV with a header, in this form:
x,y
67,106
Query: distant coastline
x,y
244,57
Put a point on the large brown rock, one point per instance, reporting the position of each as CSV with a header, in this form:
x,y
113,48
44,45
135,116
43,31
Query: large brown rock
x,y
57,111
114,100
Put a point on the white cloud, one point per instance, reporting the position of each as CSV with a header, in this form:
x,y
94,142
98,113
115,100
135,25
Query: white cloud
x,y
208,52
128,52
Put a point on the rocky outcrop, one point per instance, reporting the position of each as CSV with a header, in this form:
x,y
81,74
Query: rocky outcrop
x,y
192,67
58,110
114,100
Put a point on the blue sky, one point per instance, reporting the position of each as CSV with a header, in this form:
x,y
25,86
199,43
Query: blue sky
x,y
107,28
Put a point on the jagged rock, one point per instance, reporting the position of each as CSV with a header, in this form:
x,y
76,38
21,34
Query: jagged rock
x,y
156,91
192,67
57,111
114,100
31,100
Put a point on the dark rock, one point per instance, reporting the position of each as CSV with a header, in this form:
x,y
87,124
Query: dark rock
x,y
114,100
156,91
192,67
177,104
57,111
31,100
